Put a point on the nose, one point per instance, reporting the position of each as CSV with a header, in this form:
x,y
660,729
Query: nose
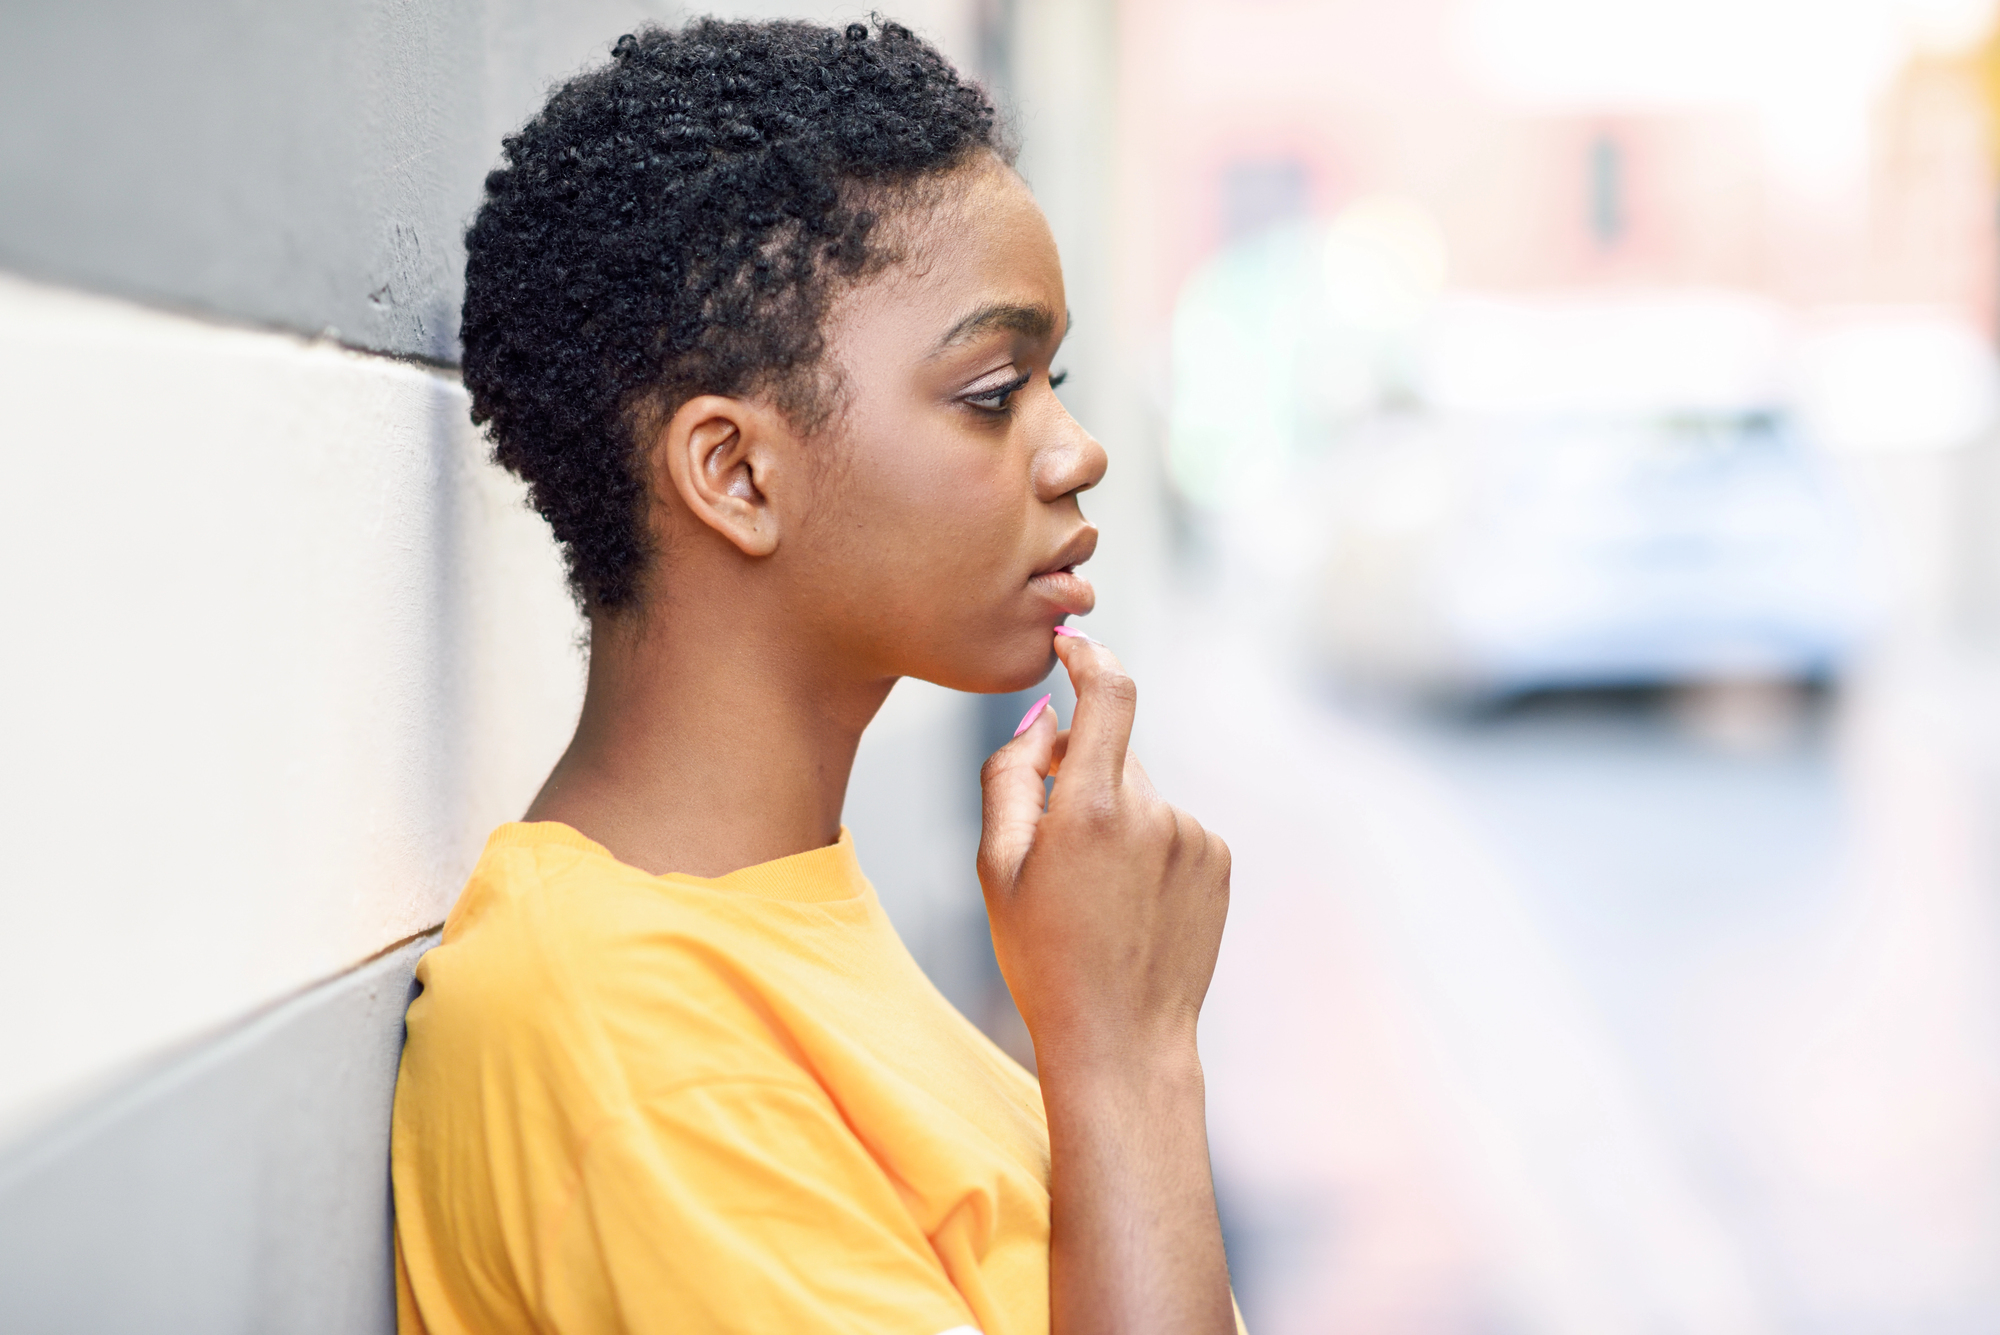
x,y
1069,460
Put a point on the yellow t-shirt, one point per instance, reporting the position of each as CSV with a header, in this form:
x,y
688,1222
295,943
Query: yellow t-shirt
x,y
668,1103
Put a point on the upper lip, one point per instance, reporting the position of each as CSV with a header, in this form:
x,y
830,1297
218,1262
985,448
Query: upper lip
x,y
1080,547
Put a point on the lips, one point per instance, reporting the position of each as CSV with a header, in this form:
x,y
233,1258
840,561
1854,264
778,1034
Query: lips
x,y
1059,582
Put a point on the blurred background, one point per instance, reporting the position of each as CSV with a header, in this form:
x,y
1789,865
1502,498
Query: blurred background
x,y
1554,521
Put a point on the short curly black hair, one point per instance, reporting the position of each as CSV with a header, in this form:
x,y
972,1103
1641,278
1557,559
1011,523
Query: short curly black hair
x,y
675,223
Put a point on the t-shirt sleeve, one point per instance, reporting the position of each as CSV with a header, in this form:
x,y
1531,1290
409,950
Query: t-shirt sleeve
x,y
742,1206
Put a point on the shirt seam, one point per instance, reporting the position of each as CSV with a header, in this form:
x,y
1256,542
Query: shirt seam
x,y
516,834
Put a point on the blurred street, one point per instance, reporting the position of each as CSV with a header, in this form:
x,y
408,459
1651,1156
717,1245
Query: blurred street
x,y
1591,1015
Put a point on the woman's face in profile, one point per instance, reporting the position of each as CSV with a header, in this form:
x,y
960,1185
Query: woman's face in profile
x,y
945,528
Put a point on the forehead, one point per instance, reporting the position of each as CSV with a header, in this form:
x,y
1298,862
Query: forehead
x,y
982,244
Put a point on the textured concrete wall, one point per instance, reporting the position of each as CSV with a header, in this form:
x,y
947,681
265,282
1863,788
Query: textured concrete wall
x,y
283,647
309,166
236,1190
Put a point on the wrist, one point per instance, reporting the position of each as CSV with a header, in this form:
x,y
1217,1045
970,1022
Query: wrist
x,y
1159,1066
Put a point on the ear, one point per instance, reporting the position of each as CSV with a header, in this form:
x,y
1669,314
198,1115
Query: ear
x,y
724,459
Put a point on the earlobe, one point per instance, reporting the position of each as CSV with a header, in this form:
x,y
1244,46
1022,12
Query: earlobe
x,y
718,457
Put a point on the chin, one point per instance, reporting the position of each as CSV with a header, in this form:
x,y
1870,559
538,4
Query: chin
x,y
1015,667
1032,675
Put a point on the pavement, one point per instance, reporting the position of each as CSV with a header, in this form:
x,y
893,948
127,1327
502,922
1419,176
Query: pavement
x,y
1597,1017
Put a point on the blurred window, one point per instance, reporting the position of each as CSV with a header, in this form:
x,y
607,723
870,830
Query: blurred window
x,y
1260,192
1607,190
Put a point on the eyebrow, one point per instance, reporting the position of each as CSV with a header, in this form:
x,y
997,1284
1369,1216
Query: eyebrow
x,y
1034,321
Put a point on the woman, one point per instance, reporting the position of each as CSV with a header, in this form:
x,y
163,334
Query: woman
x,y
765,319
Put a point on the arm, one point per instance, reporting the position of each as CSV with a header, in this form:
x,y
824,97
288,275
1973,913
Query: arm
x,y
1134,1243
1107,908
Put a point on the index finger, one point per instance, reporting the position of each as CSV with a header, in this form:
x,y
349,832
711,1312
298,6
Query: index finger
x,y
1101,728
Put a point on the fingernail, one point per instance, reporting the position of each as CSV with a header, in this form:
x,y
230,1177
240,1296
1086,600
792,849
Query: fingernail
x,y
1034,712
1070,633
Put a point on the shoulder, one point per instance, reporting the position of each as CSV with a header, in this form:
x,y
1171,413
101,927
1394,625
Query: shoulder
x,y
559,955
513,937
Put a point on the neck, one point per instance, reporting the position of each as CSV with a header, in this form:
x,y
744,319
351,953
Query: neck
x,y
705,746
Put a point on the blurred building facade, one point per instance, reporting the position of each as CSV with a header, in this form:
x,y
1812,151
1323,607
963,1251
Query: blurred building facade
x,y
1503,164
1543,176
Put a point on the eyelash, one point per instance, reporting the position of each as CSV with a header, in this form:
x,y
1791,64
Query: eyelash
x,y
995,400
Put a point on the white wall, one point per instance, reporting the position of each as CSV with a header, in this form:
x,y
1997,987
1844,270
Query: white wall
x,y
282,647
243,1187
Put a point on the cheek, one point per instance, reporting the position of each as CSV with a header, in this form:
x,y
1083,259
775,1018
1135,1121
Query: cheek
x,y
957,604
974,509
924,533
955,518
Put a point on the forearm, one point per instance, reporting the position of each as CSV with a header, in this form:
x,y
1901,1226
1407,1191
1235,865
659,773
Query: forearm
x,y
1134,1244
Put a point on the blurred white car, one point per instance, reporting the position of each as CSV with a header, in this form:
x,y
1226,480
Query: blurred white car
x,y
1611,487
1496,557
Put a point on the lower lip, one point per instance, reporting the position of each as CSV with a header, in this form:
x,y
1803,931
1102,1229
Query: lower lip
x,y
1067,590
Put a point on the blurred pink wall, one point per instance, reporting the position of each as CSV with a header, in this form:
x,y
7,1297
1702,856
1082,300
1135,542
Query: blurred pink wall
x,y
1362,98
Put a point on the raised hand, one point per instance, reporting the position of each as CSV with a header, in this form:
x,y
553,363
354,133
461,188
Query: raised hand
x,y
1107,906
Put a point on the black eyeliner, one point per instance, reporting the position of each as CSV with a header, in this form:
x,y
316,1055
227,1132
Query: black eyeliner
x,y
1001,392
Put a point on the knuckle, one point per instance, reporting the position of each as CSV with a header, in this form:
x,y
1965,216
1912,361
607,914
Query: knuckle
x,y
995,765
1119,687
1101,813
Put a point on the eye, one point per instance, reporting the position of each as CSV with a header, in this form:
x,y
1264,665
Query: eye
x,y
994,400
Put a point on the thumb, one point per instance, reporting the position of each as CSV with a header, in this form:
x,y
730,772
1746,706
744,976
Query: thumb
x,y
1012,792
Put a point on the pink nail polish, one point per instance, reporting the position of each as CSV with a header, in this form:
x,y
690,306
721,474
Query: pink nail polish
x,y
1071,633
1034,712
